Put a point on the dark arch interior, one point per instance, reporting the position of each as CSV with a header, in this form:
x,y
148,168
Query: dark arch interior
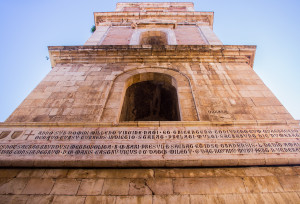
x,y
150,101
153,38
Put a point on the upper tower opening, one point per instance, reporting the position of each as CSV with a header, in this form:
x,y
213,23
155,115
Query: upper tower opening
x,y
153,38
165,23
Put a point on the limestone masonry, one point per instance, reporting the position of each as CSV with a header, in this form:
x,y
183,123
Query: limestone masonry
x,y
155,89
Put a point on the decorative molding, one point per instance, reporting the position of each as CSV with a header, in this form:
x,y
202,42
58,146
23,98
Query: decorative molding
x,y
178,17
91,54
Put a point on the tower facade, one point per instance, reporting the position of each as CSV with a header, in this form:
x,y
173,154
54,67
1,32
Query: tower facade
x,y
153,87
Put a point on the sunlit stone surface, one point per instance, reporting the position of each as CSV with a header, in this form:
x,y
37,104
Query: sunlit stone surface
x,y
153,108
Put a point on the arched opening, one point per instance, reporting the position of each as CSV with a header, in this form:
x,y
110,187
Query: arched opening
x,y
154,99
153,38
114,103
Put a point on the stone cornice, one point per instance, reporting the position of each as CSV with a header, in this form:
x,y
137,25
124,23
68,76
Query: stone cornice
x,y
181,16
154,4
93,54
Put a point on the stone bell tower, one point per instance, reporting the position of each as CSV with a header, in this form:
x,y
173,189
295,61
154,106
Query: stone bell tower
x,y
153,90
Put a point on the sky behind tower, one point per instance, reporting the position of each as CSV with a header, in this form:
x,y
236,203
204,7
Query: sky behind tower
x,y
28,27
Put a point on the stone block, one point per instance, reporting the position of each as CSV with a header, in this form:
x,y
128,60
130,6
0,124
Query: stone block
x,y
290,183
259,198
139,187
9,173
231,172
177,173
218,185
4,199
116,187
68,200
134,199
160,186
12,186
231,198
38,186
283,170
296,169
90,187
266,101
65,187
125,173
100,199
291,198
262,184
25,173
204,199
165,199
37,199
55,173
54,111
82,173
14,199
258,171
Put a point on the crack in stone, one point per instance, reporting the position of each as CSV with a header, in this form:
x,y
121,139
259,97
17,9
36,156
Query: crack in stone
x,y
146,184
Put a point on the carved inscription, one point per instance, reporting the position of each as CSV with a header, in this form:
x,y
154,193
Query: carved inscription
x,y
151,149
155,141
64,135
217,112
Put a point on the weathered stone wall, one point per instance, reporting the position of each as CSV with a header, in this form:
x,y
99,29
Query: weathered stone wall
x,y
95,92
209,35
190,186
98,36
188,35
118,35
71,119
67,93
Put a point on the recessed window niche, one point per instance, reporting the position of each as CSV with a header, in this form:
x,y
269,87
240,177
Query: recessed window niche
x,y
153,97
153,38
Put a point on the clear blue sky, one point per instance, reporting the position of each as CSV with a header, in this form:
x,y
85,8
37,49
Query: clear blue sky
x,y
28,27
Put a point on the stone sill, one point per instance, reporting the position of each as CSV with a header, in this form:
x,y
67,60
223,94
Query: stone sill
x,y
154,123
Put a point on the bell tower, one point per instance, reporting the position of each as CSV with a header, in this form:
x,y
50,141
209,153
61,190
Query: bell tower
x,y
155,91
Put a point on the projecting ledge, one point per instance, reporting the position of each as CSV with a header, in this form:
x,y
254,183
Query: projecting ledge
x,y
155,123
146,53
